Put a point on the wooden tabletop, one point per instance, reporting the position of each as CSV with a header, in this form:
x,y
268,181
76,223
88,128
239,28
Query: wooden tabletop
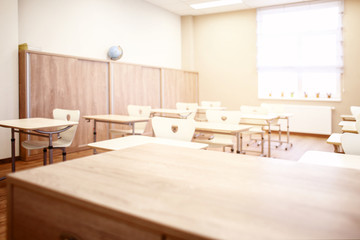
x,y
266,117
211,127
136,140
170,111
35,123
196,194
347,117
116,118
331,159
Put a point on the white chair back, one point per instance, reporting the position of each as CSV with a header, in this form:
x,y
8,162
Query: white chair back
x,y
355,111
139,111
272,108
245,109
188,106
173,128
350,143
68,115
211,103
231,117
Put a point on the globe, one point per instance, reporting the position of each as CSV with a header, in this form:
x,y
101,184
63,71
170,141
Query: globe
x,y
115,52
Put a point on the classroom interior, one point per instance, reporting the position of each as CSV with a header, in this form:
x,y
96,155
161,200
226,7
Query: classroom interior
x,y
171,58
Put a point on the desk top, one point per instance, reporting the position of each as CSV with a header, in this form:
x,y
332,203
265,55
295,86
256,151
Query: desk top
x,y
226,128
204,108
35,123
116,118
170,110
331,159
347,117
266,117
136,140
190,193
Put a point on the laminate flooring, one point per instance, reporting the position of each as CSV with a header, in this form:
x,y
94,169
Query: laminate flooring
x,y
301,144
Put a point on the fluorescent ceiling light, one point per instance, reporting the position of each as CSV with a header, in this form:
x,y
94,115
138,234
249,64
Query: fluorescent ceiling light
x,y
215,4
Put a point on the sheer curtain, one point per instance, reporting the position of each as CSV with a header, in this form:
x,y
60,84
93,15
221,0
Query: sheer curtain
x,y
300,50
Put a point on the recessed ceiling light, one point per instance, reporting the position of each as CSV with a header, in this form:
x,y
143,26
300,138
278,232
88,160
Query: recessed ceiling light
x,y
215,4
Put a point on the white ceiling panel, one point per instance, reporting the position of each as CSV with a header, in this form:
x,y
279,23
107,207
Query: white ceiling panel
x,y
182,7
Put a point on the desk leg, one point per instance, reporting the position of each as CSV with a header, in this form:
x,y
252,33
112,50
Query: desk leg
x,y
288,144
133,128
238,143
50,149
94,131
12,150
269,139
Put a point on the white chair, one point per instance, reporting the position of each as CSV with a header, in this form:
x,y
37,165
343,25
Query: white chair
x,y
173,128
350,143
355,111
136,111
211,103
220,140
188,106
64,139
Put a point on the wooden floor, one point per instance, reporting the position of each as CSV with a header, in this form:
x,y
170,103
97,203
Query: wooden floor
x,y
301,144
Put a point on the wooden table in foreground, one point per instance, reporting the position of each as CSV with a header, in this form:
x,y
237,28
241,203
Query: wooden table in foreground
x,y
136,140
331,159
163,192
44,127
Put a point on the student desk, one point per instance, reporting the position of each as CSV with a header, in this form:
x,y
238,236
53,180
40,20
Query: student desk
x,y
268,119
118,119
348,117
331,159
136,140
223,128
348,126
44,127
164,192
166,112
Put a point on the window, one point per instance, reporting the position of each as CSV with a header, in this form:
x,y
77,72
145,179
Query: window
x,y
300,50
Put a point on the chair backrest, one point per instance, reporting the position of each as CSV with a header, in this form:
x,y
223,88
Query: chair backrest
x,y
231,117
272,108
68,115
211,103
139,111
350,142
188,106
173,128
245,109
355,111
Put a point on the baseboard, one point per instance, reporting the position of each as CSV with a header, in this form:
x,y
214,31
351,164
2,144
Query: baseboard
x,y
8,160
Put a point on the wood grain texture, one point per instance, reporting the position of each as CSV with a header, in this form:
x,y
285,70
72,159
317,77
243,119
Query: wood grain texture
x,y
194,194
68,83
135,85
178,86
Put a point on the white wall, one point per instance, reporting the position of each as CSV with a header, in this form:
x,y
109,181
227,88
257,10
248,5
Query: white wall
x,y
9,103
148,35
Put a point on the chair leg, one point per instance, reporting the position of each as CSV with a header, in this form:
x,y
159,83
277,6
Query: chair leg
x,y
45,156
64,154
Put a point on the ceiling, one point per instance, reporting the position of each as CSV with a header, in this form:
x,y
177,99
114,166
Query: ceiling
x,y
182,7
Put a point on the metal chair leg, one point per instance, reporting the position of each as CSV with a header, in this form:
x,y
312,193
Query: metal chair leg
x,y
44,157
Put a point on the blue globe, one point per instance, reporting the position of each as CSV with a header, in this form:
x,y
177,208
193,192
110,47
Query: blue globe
x,y
115,52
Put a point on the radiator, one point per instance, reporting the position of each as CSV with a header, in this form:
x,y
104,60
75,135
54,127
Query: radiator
x,y
309,119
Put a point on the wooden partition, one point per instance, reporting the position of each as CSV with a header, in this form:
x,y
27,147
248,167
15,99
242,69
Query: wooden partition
x,y
178,86
48,81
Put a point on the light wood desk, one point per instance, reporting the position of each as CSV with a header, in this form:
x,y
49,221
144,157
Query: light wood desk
x,y
136,140
348,117
43,127
268,119
164,192
166,112
201,112
118,119
331,159
335,140
224,128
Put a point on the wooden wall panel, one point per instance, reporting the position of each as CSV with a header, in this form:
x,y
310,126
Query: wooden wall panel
x,y
48,81
133,84
68,83
178,86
